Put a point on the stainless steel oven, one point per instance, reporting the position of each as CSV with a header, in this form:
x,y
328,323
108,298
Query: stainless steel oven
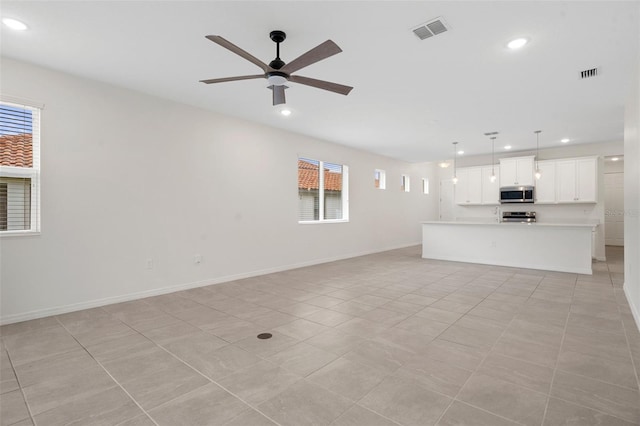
x,y
516,194
520,217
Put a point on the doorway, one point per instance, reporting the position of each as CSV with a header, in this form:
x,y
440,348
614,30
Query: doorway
x,y
613,202
446,200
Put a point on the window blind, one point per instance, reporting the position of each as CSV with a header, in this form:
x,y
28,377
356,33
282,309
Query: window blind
x,y
19,167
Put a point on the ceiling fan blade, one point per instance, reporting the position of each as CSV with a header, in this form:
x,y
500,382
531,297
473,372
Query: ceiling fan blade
x,y
238,51
278,94
318,53
321,84
222,80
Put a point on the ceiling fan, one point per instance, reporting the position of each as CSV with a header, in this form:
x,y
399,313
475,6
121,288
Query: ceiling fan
x,y
278,72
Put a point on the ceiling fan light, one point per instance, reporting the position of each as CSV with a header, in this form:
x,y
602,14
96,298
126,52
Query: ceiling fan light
x,y
276,80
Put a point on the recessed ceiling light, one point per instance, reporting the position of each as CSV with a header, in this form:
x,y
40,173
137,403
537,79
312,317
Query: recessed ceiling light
x,y
507,147
285,112
615,159
517,43
444,165
460,152
565,140
14,24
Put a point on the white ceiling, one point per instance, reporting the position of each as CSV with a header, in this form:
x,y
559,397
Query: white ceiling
x,y
411,98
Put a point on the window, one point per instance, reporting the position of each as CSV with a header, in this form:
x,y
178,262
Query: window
x,y
322,197
19,168
405,183
425,185
379,179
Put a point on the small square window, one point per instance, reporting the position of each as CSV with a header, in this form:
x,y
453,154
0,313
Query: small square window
x,y
405,183
379,179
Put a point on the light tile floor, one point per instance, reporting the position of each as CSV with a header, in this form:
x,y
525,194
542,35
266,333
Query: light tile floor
x,y
385,339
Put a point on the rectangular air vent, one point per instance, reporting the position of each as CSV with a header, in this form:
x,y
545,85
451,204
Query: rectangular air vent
x,y
431,28
593,72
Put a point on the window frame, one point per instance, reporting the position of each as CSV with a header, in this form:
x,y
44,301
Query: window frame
x,y
405,183
425,186
321,195
33,172
382,179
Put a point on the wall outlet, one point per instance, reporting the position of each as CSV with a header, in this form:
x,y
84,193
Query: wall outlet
x,y
197,259
149,263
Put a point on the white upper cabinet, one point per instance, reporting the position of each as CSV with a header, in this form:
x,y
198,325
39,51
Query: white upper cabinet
x,y
474,186
468,190
490,190
570,180
516,171
545,192
577,180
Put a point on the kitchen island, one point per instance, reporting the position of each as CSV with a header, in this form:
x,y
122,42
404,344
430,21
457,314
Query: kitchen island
x,y
564,247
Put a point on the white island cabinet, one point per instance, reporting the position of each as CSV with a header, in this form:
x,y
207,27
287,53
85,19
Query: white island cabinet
x,y
545,246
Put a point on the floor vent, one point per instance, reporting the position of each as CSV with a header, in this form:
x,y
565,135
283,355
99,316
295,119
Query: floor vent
x,y
430,29
593,72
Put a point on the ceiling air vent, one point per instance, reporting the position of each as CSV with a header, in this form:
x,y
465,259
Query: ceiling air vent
x,y
431,28
593,72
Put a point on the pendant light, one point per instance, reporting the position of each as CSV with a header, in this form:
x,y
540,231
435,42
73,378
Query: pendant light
x,y
492,178
538,172
455,152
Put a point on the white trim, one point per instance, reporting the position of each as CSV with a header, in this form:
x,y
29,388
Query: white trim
x,y
18,172
632,307
10,319
20,234
21,101
315,222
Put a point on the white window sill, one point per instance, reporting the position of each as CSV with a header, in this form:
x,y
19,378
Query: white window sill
x,y
6,234
317,222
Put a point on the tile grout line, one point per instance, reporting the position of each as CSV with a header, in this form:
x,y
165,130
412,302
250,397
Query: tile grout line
x,y
107,371
475,370
211,381
455,398
24,397
555,367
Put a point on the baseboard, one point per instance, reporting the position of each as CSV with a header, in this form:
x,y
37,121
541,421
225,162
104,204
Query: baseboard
x,y
58,310
634,309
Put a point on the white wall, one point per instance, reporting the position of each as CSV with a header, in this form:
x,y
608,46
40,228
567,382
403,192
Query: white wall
x,y
127,177
632,196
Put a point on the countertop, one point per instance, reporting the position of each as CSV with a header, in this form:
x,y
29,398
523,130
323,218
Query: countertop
x,y
536,224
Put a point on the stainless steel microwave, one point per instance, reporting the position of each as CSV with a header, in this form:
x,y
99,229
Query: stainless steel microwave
x,y
516,194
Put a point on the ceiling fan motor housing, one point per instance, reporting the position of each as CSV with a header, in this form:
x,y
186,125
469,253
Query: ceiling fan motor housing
x,y
278,36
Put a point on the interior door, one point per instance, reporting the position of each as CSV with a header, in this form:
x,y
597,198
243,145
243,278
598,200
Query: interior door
x,y
446,200
614,209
